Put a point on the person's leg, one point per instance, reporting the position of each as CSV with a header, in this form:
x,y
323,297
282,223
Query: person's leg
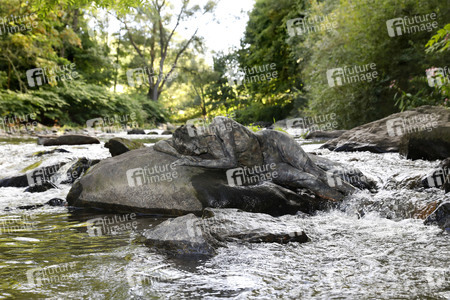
x,y
291,177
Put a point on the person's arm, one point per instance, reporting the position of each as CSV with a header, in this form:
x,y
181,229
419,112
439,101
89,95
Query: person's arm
x,y
166,147
228,160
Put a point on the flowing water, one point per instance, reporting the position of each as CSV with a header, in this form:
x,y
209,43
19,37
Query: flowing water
x,y
372,247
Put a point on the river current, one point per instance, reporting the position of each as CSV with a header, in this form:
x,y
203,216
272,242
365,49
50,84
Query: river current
x,y
372,247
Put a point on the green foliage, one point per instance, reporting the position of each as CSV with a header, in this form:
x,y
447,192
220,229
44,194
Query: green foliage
x,y
440,41
361,38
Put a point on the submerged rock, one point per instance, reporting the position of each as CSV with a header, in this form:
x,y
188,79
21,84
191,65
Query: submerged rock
x,y
440,217
119,146
70,139
190,235
385,135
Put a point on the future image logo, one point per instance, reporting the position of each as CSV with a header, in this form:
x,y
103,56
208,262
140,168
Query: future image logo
x,y
41,76
439,178
138,76
347,75
401,126
252,175
411,25
335,177
142,176
437,77
50,275
111,225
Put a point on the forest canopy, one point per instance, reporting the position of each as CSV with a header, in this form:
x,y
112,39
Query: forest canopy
x,y
360,60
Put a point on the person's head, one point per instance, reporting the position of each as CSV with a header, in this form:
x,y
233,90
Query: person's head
x,y
189,141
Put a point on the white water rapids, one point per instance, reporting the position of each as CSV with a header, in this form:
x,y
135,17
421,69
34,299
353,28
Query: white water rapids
x,y
385,254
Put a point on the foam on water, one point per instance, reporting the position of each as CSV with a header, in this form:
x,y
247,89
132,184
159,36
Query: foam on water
x,y
372,246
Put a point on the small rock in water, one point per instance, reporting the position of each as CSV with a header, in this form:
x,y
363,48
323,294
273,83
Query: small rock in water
x,y
119,146
39,188
136,131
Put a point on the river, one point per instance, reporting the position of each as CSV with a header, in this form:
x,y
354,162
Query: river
x,y
372,247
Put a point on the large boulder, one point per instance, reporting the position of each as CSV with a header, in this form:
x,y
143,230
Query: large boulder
x,y
191,235
70,139
118,183
119,146
385,135
426,145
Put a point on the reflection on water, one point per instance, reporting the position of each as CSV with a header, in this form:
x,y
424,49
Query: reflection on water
x,y
53,253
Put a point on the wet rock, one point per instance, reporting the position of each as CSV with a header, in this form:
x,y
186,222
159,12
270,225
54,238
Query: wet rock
x,y
385,135
41,153
37,175
438,178
153,133
167,132
190,235
136,131
15,181
40,188
325,135
426,145
73,139
189,172
117,184
51,202
119,146
78,169
440,217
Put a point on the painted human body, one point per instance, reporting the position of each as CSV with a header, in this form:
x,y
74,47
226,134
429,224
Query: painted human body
x,y
227,144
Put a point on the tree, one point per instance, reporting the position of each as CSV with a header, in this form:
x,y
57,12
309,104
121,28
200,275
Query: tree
x,y
154,43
